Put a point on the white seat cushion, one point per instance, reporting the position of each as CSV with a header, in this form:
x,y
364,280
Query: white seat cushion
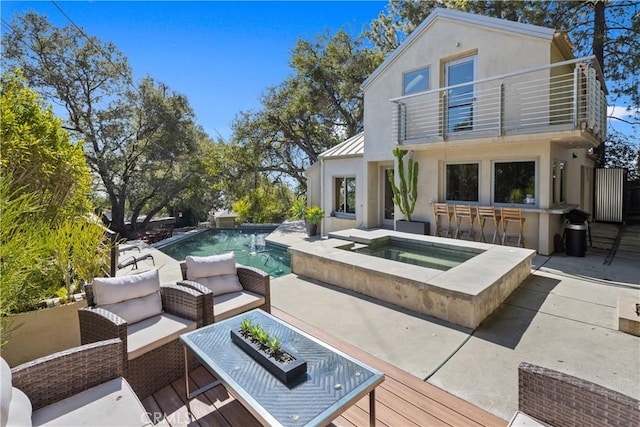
x,y
154,332
228,305
19,409
134,298
109,404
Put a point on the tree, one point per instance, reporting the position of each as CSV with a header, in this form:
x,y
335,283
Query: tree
x,y
45,235
38,154
317,107
140,141
610,30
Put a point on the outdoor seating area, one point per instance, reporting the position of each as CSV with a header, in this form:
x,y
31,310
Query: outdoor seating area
x,y
227,288
81,386
148,319
505,225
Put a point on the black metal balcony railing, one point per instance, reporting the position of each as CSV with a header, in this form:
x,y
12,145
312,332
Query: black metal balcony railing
x,y
542,99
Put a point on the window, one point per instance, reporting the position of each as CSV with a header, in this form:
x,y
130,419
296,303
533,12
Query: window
x,y
462,182
345,195
416,81
514,182
559,181
460,99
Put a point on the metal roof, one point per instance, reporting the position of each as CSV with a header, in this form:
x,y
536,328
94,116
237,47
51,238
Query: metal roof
x,y
352,147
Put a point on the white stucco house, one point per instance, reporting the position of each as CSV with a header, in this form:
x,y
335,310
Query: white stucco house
x,y
497,113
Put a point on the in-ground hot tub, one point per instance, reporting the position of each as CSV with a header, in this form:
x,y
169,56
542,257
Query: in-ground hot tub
x,y
464,294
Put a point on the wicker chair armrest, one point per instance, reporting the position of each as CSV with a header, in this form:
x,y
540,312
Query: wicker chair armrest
x,y
256,281
55,377
97,324
207,299
558,398
183,301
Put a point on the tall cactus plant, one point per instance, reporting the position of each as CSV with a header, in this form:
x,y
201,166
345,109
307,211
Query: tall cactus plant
x,y
405,196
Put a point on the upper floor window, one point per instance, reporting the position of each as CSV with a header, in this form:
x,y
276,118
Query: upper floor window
x,y
514,182
462,181
416,81
345,195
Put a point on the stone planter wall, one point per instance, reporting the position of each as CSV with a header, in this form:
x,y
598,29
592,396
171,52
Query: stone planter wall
x,y
43,332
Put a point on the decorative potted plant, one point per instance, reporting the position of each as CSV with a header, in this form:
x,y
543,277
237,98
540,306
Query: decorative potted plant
x,y
406,195
313,216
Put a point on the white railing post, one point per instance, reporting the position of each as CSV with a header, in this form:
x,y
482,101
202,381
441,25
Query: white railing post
x,y
501,109
576,95
445,116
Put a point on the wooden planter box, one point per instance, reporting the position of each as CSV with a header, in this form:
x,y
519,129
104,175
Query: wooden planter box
x,y
286,373
414,227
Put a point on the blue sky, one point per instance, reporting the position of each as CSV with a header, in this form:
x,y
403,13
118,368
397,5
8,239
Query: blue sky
x,y
221,55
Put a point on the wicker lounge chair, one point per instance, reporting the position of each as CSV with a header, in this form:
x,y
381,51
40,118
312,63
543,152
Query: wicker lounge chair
x,y
253,291
134,260
153,356
80,386
559,399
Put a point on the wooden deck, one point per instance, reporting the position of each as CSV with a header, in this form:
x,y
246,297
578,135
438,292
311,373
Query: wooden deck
x,y
401,400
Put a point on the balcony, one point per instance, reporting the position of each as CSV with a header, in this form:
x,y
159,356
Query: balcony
x,y
566,101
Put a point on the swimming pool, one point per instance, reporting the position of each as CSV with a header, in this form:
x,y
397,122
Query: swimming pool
x,y
249,246
438,257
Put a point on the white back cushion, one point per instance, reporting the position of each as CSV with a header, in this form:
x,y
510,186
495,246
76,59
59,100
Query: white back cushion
x,y
5,391
214,265
109,290
20,409
134,298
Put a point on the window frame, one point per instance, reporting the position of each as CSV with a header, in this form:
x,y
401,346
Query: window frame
x,y
446,183
417,70
536,178
336,196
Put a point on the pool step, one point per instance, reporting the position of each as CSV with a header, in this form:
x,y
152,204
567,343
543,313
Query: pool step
x,y
357,246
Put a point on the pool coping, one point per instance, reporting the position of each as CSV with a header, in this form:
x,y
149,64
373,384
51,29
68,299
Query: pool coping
x,y
475,287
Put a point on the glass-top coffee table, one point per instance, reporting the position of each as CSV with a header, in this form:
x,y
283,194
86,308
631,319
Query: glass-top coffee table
x,y
334,381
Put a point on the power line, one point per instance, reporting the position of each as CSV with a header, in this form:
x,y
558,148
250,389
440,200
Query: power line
x,y
97,47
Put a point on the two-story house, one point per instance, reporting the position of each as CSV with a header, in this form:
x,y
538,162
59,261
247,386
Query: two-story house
x,y
497,113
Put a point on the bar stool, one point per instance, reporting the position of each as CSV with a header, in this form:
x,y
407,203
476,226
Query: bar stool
x,y
512,215
440,214
488,213
461,213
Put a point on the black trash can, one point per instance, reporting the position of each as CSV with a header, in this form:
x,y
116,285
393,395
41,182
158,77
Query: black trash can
x,y
576,235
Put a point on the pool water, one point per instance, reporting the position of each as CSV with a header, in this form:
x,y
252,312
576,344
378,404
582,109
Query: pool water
x,y
440,258
248,245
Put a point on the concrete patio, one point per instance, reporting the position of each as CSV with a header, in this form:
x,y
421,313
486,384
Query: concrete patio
x,y
564,317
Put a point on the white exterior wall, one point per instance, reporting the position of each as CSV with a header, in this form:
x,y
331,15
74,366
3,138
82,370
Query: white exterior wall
x,y
329,171
497,53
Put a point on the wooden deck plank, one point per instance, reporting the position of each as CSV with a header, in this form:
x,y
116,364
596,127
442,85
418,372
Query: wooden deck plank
x,y
232,410
176,412
401,399
409,409
360,417
155,412
453,403
200,406
425,404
